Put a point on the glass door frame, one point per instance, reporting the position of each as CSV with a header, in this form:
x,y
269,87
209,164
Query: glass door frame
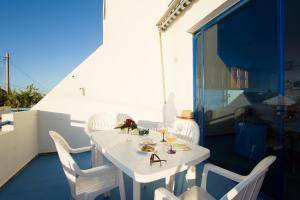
x,y
198,93
198,83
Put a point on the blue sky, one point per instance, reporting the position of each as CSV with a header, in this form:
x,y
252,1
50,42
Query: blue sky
x,y
47,39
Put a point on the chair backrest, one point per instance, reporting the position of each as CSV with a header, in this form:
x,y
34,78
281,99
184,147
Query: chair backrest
x,y
69,165
121,117
186,129
148,125
100,122
248,189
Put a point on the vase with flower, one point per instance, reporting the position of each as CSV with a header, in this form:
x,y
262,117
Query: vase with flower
x,y
128,126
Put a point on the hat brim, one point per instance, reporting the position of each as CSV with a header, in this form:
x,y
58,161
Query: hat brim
x,y
180,117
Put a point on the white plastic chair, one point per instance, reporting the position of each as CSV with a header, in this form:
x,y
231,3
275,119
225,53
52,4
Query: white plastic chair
x,y
98,122
187,130
86,184
145,124
121,117
247,188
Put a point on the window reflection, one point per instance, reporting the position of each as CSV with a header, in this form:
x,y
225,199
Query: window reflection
x,y
240,76
292,92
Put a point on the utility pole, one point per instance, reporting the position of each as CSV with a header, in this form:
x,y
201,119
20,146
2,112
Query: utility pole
x,y
7,86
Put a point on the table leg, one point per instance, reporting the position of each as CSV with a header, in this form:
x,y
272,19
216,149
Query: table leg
x,y
170,183
136,190
191,176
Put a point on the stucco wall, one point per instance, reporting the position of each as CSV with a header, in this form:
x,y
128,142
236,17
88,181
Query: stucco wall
x,y
19,146
124,74
179,52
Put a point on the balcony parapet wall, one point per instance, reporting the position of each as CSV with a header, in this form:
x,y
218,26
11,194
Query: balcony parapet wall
x,y
18,145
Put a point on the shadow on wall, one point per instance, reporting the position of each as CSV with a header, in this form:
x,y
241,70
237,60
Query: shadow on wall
x,y
71,130
169,113
146,124
169,110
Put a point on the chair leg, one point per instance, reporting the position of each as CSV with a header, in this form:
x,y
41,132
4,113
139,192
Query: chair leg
x,y
97,158
121,185
93,156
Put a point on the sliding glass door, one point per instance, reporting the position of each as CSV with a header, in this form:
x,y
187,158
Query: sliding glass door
x,y
237,75
292,93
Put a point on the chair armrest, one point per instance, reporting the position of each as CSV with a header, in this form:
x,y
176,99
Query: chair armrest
x,y
80,149
164,194
218,170
96,171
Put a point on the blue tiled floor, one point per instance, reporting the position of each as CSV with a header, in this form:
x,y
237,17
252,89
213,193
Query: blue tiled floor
x,y
43,179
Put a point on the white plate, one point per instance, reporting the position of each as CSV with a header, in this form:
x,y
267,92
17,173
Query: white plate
x,y
141,151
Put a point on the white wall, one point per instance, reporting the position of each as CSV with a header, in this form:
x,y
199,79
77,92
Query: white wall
x,y
124,74
179,52
19,146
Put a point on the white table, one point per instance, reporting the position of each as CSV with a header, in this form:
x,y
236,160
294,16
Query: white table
x,y
124,155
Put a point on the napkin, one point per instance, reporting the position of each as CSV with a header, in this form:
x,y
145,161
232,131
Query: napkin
x,y
181,147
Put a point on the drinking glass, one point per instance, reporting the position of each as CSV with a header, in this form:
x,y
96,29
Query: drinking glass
x,y
163,130
171,138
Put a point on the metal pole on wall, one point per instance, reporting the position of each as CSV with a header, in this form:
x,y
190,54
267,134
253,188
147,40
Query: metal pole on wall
x,y
163,77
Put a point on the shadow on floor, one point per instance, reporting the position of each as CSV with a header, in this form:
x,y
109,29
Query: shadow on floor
x,y
44,179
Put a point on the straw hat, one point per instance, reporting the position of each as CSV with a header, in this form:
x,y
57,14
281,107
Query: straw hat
x,y
186,114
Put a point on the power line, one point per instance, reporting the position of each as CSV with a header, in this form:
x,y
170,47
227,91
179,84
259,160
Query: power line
x,y
18,86
26,74
2,79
